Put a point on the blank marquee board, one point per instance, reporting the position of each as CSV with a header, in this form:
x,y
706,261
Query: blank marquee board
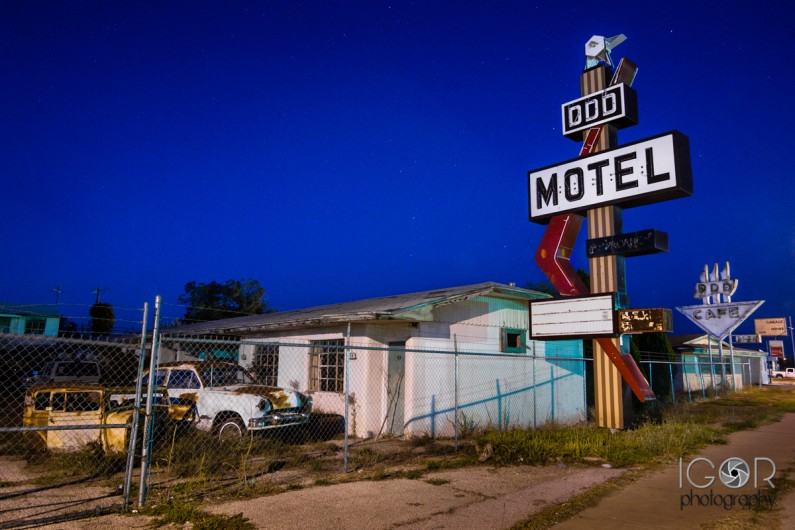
x,y
574,317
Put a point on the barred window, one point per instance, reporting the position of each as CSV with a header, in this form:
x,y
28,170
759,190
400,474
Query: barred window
x,y
327,367
35,326
265,365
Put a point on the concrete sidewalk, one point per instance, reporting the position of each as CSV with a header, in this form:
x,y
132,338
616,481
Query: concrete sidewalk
x,y
470,498
498,498
481,498
657,501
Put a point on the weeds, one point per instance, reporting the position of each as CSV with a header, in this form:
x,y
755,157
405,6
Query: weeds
x,y
180,513
199,454
681,430
89,462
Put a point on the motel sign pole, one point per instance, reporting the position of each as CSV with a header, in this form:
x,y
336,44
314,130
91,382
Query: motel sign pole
x,y
607,275
599,184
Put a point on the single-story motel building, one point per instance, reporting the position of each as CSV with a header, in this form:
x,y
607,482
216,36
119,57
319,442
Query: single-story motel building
x,y
700,368
415,359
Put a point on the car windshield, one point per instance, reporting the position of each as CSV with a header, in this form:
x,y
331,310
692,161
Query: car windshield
x,y
224,375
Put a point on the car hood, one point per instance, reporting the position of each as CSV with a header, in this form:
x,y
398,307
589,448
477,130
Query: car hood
x,y
281,398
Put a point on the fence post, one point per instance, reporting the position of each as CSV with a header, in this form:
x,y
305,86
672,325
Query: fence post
x,y
433,416
687,380
701,377
552,387
535,423
651,375
148,421
455,343
673,388
584,387
128,472
347,395
499,406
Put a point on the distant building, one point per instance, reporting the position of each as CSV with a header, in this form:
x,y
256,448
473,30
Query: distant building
x,y
415,359
700,363
29,320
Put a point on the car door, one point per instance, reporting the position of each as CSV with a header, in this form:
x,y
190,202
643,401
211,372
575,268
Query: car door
x,y
71,409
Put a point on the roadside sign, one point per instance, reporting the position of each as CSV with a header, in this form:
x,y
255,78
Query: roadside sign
x,y
657,320
746,339
771,327
574,317
776,348
648,171
630,244
720,319
617,104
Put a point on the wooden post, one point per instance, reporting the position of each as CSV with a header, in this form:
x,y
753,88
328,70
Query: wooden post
x,y
607,274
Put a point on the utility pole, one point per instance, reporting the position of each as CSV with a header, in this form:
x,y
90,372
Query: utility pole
x,y
99,290
57,290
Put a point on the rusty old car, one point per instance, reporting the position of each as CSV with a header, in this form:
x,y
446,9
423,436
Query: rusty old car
x,y
228,401
64,417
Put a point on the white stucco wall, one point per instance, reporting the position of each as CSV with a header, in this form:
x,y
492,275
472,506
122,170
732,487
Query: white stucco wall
x,y
494,389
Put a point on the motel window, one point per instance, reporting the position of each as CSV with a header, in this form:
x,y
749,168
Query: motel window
x,y
35,326
327,365
5,324
513,341
265,365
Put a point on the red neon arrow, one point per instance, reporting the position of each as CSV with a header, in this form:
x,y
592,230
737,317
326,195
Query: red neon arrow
x,y
554,253
629,370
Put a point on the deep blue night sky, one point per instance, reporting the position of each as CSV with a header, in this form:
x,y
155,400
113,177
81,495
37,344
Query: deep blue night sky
x,y
346,150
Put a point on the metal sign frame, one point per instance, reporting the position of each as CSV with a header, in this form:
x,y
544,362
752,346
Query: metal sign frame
x,y
574,317
719,320
594,109
652,170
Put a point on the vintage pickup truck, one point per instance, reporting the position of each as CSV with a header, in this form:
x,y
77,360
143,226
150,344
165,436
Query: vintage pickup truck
x,y
781,374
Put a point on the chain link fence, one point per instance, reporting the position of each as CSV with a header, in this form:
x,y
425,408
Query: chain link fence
x,y
61,423
277,412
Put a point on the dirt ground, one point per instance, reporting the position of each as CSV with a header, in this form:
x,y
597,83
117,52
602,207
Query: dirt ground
x,y
477,497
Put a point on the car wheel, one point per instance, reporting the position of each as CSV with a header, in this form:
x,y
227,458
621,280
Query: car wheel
x,y
231,428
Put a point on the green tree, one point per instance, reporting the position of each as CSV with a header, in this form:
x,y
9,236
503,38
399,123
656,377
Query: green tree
x,y
102,319
214,301
67,328
657,350
653,343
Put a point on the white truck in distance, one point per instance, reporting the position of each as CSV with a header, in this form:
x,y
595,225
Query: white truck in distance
x,y
781,374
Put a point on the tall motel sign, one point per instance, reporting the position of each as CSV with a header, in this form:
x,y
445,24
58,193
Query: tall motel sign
x,y
603,180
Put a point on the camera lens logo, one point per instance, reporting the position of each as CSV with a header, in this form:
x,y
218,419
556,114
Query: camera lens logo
x,y
734,473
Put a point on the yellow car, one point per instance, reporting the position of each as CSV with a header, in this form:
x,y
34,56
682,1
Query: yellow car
x,y
75,416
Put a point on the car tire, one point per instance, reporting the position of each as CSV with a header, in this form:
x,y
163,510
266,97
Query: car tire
x,y
231,429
